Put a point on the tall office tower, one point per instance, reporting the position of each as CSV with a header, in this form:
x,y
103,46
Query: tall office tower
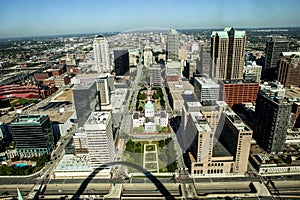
x,y
212,114
289,69
272,115
32,135
238,91
100,143
201,137
235,137
86,100
227,53
148,56
205,61
274,48
155,75
101,54
206,90
173,45
103,89
252,71
224,151
121,60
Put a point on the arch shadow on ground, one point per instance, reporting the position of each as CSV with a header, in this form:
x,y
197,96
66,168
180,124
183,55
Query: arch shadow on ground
x,y
160,187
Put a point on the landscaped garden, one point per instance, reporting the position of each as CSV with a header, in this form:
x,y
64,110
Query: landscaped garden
x,y
134,153
157,98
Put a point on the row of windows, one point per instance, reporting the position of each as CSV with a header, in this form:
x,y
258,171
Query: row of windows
x,y
215,164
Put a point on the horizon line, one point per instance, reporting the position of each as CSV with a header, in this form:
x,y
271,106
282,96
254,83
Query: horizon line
x,y
146,30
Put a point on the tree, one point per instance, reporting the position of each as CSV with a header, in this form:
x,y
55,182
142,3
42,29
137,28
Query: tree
x,y
162,102
155,96
141,96
130,146
161,143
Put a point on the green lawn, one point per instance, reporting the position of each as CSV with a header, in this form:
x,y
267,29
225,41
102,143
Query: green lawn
x,y
21,101
165,149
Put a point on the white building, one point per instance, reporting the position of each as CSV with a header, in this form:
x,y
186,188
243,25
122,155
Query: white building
x,y
173,68
101,54
100,143
151,119
206,90
252,71
148,56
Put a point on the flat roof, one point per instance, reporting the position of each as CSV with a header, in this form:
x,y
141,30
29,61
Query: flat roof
x,y
179,86
29,119
238,81
98,118
200,122
70,162
206,82
83,85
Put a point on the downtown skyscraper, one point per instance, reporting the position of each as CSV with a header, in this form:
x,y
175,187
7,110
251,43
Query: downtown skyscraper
x,y
173,45
101,54
227,54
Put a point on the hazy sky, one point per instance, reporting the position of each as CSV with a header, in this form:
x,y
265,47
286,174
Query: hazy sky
x,y
49,17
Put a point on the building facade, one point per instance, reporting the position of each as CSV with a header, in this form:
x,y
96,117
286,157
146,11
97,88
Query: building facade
x,y
272,115
289,69
32,135
155,75
86,100
221,152
121,60
274,48
173,45
148,56
227,54
100,142
101,54
206,90
205,61
252,71
103,89
238,91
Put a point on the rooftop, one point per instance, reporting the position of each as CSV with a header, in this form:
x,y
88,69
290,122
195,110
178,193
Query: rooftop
x,y
224,34
74,163
173,64
200,122
98,118
206,82
236,120
238,81
83,86
29,119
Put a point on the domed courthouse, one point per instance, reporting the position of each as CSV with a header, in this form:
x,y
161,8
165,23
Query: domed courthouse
x,y
151,121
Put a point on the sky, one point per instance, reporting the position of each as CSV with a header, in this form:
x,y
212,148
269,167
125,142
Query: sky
x,y
53,17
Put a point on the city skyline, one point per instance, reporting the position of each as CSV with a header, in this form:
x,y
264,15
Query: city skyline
x,y
35,18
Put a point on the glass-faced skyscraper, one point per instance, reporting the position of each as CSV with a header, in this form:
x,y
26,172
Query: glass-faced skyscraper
x,y
32,135
274,48
227,53
86,100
